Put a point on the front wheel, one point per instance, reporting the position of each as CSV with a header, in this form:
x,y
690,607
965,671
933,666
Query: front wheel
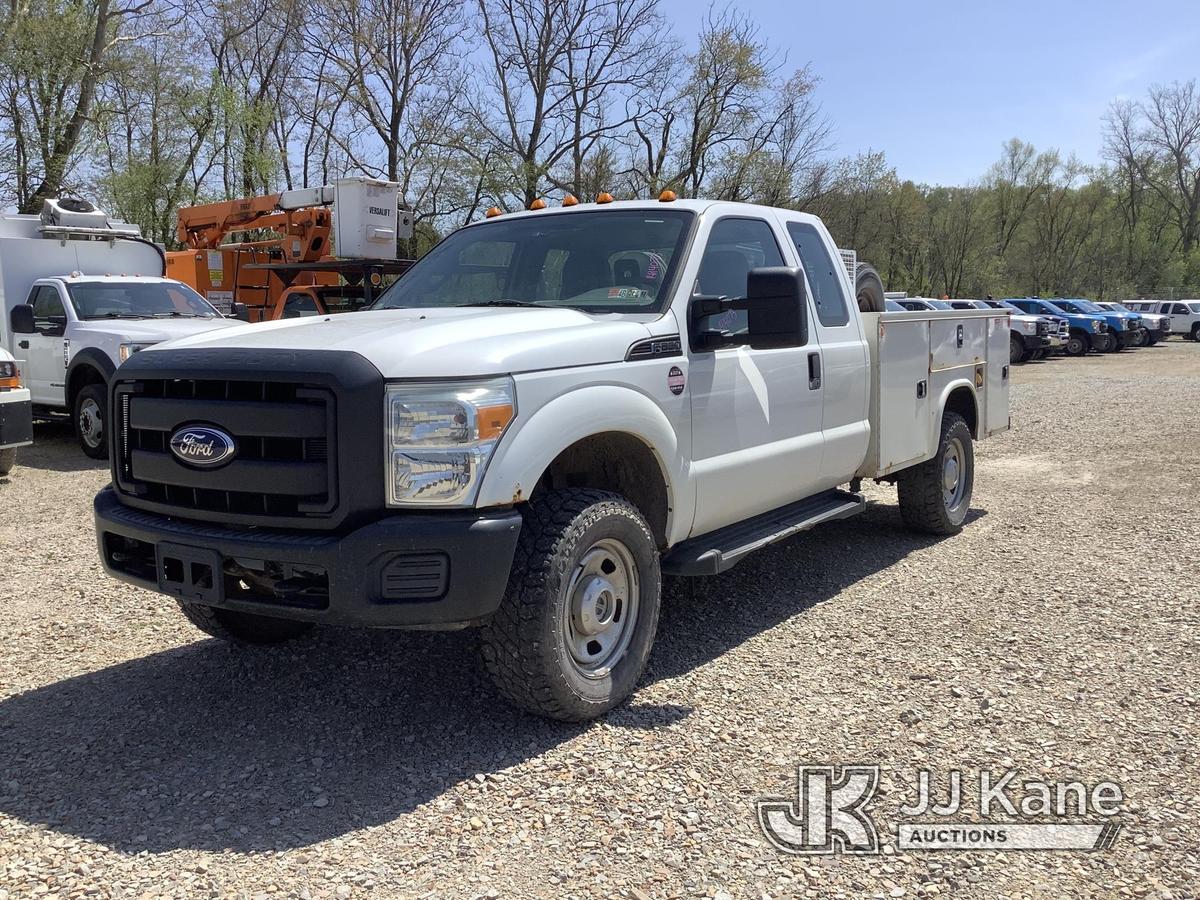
x,y
1196,332
1142,339
1077,345
91,411
241,627
1016,349
8,459
936,495
574,630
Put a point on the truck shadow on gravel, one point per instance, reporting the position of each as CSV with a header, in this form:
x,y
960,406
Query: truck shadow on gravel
x,y
56,449
211,747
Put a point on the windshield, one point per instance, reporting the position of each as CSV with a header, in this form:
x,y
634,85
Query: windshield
x,y
603,261
1088,306
138,300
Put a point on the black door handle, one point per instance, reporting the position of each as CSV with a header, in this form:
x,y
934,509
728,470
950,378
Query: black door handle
x,y
814,371
24,345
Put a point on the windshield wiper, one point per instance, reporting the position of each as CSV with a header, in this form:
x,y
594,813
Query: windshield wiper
x,y
504,303
177,315
116,315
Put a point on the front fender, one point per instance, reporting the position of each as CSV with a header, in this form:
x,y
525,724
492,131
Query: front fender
x,y
525,454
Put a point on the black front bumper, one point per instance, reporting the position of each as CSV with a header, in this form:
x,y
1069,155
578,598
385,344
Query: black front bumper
x,y
1035,342
16,424
406,570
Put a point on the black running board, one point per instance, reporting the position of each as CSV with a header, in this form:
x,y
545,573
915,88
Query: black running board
x,y
724,548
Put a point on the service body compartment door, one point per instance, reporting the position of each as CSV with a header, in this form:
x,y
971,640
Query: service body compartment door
x,y
900,400
996,396
958,342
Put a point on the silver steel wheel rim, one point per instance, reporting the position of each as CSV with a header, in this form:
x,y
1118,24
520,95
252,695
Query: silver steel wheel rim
x,y
91,428
600,615
954,485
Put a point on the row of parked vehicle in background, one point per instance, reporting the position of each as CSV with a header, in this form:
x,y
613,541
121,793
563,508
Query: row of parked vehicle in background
x,y
1040,327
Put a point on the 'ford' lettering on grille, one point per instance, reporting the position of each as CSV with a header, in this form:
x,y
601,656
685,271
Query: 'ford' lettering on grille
x,y
199,445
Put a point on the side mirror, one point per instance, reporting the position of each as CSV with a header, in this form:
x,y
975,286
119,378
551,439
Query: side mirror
x,y
21,319
240,311
777,308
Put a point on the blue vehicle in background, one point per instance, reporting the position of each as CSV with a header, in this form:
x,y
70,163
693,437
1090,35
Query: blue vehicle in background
x,y
1124,327
1088,331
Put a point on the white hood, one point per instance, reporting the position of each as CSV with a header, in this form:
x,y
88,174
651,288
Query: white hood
x,y
443,343
147,330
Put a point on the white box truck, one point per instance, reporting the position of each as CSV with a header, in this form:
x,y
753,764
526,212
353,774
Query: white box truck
x,y
81,294
547,413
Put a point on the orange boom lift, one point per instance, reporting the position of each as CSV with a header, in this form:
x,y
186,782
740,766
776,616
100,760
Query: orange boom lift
x,y
290,273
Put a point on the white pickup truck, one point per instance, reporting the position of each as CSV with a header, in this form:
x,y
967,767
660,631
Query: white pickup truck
x,y
547,413
81,293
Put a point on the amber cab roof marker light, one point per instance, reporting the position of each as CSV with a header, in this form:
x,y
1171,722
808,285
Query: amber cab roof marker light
x,y
604,197
667,196
539,203
570,200
493,212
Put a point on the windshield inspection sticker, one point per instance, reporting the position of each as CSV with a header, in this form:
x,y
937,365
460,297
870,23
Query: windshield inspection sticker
x,y
675,380
626,293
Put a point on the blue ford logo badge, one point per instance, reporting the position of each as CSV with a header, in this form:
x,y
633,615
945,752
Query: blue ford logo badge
x,y
200,445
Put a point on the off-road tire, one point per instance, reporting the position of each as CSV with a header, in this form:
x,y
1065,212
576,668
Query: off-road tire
x,y
523,646
922,500
868,289
242,628
8,459
99,394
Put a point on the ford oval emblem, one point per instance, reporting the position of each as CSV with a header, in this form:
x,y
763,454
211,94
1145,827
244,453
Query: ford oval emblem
x,y
201,445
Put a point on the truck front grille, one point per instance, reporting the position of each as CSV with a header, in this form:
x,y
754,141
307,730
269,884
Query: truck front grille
x,y
282,467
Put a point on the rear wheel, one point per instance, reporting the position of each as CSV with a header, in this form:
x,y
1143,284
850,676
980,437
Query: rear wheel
x,y
91,412
8,459
241,627
574,630
936,495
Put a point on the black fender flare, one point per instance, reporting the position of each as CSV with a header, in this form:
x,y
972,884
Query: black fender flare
x,y
87,358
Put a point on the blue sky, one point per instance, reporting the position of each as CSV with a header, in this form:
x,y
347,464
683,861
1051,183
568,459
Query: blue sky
x,y
954,80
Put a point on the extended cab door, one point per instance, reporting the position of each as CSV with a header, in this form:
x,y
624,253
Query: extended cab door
x,y
756,415
843,354
46,354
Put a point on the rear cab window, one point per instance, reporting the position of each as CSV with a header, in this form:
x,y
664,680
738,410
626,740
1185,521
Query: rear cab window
x,y
824,279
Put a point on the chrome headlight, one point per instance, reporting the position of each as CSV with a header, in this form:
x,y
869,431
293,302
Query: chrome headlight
x,y
440,437
1028,327
127,350
1101,326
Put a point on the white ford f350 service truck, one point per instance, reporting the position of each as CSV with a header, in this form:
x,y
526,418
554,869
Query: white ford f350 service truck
x,y
547,413
81,294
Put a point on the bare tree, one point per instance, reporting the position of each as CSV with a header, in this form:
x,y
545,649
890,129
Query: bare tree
x,y
558,70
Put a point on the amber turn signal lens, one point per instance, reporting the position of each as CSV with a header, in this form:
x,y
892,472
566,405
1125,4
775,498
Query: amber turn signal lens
x,y
491,420
604,197
493,212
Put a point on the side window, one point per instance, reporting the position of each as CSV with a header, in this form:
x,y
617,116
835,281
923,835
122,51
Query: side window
x,y
48,312
735,246
822,273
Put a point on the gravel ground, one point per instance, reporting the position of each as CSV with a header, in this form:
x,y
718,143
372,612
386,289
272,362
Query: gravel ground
x,y
1053,636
